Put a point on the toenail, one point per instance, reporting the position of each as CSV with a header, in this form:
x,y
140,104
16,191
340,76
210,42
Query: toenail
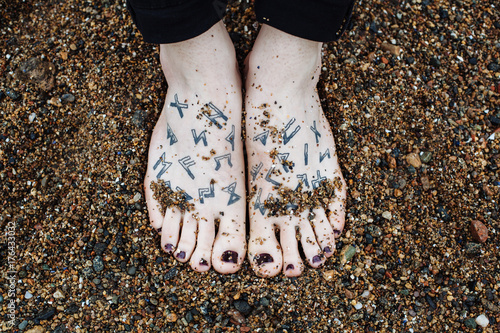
x,y
181,255
263,258
336,232
290,267
230,256
327,250
169,247
317,258
203,262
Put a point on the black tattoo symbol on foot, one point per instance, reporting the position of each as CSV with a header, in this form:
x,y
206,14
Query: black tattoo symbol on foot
x,y
186,196
287,137
268,177
206,193
315,131
202,136
317,181
178,105
262,137
303,178
218,114
230,138
186,163
165,165
223,157
306,153
233,196
171,135
283,158
323,156
255,170
259,205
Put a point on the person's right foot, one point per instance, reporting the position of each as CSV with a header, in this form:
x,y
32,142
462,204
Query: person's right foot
x,y
196,147
289,142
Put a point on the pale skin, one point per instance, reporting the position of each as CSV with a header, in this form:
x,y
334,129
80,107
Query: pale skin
x,y
196,146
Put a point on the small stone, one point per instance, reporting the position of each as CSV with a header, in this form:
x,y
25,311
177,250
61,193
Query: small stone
x,y
32,117
482,321
470,323
492,66
23,325
46,314
242,306
171,317
36,329
387,215
131,270
68,98
12,94
374,230
349,294
28,295
473,61
138,118
98,264
425,156
434,61
58,294
171,273
425,183
136,197
393,49
347,253
392,162
472,248
358,306
236,316
328,275
72,47
414,160
264,301
478,231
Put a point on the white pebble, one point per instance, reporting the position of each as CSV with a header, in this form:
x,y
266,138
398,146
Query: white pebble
x,y
32,117
365,294
387,215
28,295
482,321
137,197
358,306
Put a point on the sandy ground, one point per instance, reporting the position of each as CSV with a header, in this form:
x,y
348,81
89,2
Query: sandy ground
x,y
412,94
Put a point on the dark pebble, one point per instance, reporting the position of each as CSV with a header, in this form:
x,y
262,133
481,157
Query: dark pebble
x,y
139,117
131,270
73,308
495,120
264,301
46,314
410,60
189,317
12,160
431,302
67,98
171,273
473,61
435,62
492,66
159,260
99,248
2,95
60,329
12,94
87,271
242,306
23,325
471,323
443,213
98,264
472,248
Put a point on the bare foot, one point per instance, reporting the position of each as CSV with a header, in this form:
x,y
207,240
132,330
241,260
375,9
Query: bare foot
x,y
196,151
290,146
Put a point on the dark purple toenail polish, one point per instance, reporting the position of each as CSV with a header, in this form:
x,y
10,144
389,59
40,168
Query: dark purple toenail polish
x,y
203,262
230,256
169,247
181,255
317,258
336,232
327,250
290,267
263,258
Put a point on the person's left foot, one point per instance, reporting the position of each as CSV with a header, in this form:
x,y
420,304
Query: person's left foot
x,y
294,177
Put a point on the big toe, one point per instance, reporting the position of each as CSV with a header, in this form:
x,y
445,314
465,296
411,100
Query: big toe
x,y
230,245
264,251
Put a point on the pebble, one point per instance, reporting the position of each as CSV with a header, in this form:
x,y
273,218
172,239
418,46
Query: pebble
x,y
358,306
414,160
470,323
242,306
98,264
478,231
264,301
23,325
347,253
58,294
425,182
67,98
136,197
12,94
46,314
131,270
387,215
36,329
32,117
374,230
171,273
425,156
472,248
328,275
171,317
236,316
28,295
482,321
138,118
393,49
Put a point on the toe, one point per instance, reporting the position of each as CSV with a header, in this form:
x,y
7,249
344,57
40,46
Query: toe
x,y
324,231
229,246
202,255
264,251
292,264
154,209
310,246
187,241
170,229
